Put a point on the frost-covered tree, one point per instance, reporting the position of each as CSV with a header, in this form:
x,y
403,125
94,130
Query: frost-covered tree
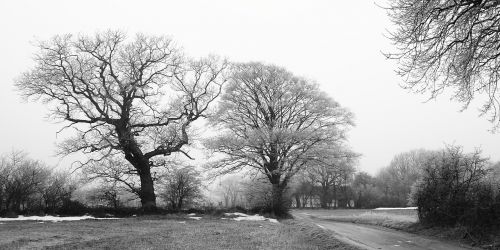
x,y
133,97
273,123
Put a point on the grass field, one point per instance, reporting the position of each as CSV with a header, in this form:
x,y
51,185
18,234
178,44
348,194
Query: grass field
x,y
161,232
396,219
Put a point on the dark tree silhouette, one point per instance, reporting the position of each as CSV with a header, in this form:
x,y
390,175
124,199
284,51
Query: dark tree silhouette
x,y
134,97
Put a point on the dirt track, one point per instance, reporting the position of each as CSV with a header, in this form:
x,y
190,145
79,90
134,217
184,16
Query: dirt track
x,y
372,237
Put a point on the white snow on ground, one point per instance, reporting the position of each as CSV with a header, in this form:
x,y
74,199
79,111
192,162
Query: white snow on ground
x,y
192,214
54,218
236,214
396,208
195,218
242,216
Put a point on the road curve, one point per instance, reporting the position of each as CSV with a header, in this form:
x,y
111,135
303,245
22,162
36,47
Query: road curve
x,y
372,237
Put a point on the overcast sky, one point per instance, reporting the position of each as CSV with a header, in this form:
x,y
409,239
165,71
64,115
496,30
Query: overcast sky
x,y
336,43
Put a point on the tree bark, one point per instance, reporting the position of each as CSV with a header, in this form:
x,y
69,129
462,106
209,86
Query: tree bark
x,y
278,206
324,197
147,193
297,201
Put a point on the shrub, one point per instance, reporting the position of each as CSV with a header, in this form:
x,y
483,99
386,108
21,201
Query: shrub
x,y
454,190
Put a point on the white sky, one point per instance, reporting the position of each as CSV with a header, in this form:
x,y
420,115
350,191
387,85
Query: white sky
x,y
336,43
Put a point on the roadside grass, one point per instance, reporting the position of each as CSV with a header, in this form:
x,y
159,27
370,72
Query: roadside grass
x,y
395,219
405,220
165,232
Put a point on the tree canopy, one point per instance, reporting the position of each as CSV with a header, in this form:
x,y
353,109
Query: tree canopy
x,y
449,45
274,123
133,97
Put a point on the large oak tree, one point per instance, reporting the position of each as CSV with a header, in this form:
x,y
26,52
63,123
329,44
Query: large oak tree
x,y
274,123
135,97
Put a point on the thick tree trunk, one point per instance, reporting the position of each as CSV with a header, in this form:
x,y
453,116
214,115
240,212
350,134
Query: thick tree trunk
x,y
147,194
324,197
278,206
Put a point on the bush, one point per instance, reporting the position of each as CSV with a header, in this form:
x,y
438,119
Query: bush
x,y
454,190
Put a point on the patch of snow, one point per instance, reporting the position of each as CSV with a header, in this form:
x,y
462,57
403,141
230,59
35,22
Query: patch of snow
x,y
272,220
253,218
223,218
242,216
54,218
320,226
191,214
182,222
195,218
396,208
236,214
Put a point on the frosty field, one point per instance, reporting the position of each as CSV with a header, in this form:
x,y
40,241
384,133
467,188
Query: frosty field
x,y
164,232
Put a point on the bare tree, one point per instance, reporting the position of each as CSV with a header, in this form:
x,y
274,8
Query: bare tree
x,y
366,192
23,178
302,190
115,172
182,187
56,190
231,190
107,193
272,122
449,45
402,173
133,97
454,190
331,172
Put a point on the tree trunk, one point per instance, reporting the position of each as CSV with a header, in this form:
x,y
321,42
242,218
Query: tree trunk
x,y
324,197
297,201
278,206
147,194
335,196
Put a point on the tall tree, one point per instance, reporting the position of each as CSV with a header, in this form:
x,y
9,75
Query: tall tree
x,y
449,44
134,97
273,122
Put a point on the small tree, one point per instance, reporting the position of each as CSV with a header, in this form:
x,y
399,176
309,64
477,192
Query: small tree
x,y
273,122
231,190
182,187
57,190
107,193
